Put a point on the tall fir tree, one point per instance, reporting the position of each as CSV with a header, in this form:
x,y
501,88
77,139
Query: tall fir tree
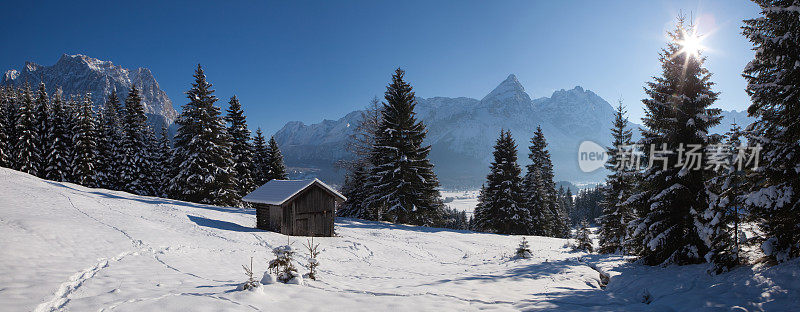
x,y
276,168
9,121
402,179
773,83
202,157
134,156
5,103
59,142
618,186
502,207
241,148
161,156
720,222
677,119
43,112
109,143
27,157
260,157
549,218
85,148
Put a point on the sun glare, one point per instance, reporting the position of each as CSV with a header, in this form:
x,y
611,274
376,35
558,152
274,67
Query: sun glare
x,y
692,44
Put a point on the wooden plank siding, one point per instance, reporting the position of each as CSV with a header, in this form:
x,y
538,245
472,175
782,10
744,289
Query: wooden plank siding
x,y
309,213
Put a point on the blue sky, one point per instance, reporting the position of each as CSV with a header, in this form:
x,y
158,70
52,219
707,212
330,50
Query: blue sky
x,y
302,60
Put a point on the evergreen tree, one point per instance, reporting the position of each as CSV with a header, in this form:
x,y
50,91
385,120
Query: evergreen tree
x,y
202,157
28,157
501,204
260,157
719,226
43,112
677,117
549,218
353,188
402,178
615,218
135,158
773,83
110,144
59,142
241,148
85,149
276,168
161,155
582,237
5,103
9,121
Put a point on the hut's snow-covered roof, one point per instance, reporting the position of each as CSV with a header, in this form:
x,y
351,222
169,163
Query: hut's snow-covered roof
x,y
277,192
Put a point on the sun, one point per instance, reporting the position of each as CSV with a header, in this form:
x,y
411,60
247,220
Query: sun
x,y
692,43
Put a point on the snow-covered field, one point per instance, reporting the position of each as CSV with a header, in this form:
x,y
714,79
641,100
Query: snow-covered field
x,y
461,200
66,247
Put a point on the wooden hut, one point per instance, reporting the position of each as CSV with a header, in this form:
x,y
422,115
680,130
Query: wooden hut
x,y
296,207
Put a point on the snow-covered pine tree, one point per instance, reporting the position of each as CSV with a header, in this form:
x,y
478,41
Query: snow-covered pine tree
x,y
161,155
59,142
134,160
109,143
152,175
402,178
583,239
277,170
27,157
677,114
523,250
260,156
502,205
202,156
85,140
773,83
356,205
5,103
618,187
241,148
549,218
43,112
719,223
9,122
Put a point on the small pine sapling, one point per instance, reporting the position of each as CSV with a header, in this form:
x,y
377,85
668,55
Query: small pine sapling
x,y
282,264
313,252
251,282
524,250
583,240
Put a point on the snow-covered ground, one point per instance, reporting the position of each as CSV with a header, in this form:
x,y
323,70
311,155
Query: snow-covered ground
x,y
461,200
66,247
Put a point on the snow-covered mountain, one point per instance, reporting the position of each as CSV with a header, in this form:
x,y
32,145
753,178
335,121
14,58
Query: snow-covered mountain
x,y
78,74
463,130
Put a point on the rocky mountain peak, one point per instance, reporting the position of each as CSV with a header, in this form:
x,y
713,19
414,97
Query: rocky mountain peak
x,y
510,91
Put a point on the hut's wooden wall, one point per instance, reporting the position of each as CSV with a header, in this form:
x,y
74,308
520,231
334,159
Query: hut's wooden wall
x,y
310,213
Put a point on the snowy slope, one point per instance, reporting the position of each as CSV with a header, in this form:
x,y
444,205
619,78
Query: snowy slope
x,y
66,247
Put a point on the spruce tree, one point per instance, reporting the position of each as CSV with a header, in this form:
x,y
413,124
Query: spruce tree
x,y
85,148
43,112
402,179
109,145
27,157
241,148
59,142
677,117
773,83
161,155
202,157
353,188
615,218
134,160
360,144
9,121
501,207
720,223
260,157
5,103
549,218
276,169
582,237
